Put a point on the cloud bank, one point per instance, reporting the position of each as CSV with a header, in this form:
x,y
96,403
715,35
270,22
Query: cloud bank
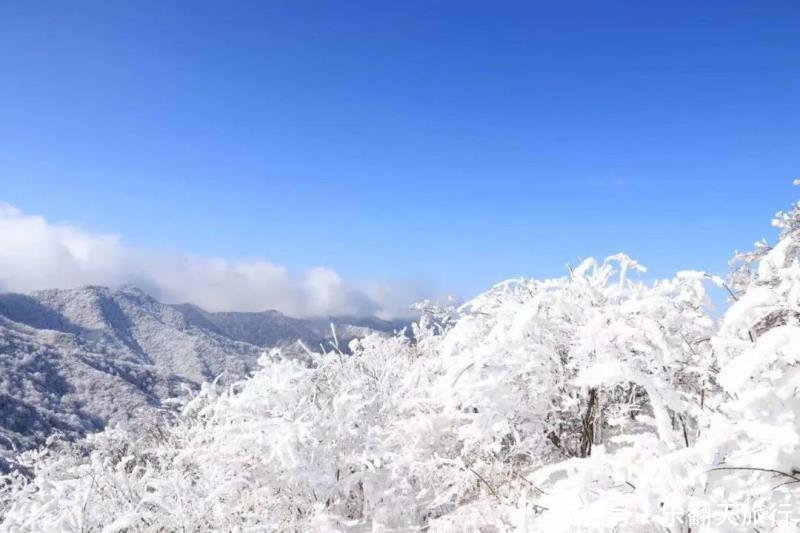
x,y
36,254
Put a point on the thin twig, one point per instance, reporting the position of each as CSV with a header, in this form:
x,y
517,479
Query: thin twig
x,y
461,372
784,483
488,485
754,469
531,483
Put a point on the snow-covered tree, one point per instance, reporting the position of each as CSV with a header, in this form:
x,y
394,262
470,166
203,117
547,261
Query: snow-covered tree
x,y
450,430
756,440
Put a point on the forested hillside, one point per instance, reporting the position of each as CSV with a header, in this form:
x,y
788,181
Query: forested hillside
x,y
72,361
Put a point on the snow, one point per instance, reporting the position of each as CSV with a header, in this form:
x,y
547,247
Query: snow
x,y
72,361
589,402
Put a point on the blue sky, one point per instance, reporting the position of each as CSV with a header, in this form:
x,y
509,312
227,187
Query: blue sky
x,y
450,144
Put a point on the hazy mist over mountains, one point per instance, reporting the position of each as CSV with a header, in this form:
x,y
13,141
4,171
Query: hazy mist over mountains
x,y
36,254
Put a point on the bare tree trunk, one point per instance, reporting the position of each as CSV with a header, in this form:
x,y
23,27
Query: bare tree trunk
x,y
587,436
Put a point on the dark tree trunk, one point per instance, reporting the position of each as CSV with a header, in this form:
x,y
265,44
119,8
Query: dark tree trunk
x,y
587,436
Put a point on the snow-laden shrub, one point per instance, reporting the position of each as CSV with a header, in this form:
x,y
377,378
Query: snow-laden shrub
x,y
742,472
755,438
502,415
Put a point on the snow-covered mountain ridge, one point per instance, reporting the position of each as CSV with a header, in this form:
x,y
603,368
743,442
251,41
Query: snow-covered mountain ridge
x,y
72,360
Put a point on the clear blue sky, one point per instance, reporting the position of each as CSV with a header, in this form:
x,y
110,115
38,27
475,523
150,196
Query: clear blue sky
x,y
457,143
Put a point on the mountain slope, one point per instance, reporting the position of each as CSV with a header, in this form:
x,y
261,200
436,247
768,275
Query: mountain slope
x,y
72,361
271,328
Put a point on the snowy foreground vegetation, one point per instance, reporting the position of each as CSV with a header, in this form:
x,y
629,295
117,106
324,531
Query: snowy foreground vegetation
x,y
591,402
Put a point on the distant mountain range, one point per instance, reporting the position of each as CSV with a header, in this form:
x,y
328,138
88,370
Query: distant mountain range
x,y
72,361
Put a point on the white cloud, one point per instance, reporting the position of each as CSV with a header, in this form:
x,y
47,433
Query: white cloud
x,y
36,254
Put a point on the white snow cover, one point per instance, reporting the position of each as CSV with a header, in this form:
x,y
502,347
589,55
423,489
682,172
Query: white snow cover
x,y
591,402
